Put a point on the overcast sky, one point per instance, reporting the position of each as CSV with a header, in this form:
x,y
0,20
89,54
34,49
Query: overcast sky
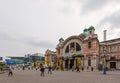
x,y
33,26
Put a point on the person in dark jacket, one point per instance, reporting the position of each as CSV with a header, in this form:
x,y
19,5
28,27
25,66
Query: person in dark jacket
x,y
78,69
42,69
92,68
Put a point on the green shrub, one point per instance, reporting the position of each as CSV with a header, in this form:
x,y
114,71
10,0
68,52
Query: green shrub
x,y
2,65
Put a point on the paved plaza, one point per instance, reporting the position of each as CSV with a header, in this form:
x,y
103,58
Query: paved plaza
x,y
33,76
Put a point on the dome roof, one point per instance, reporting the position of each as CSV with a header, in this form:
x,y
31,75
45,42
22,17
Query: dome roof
x,y
61,39
91,27
85,30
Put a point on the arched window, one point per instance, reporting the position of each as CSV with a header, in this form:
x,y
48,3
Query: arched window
x,y
67,49
72,45
78,48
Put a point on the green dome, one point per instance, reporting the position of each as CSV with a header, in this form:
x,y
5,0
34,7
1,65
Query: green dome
x,y
85,31
61,39
91,27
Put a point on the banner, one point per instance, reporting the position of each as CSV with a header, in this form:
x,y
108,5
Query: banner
x,y
45,60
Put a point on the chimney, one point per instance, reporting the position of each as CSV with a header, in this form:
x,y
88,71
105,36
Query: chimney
x,y
104,38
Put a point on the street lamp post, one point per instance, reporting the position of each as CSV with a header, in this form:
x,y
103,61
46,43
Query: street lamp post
x,y
104,63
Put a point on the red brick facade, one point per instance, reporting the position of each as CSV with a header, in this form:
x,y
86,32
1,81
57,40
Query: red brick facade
x,y
87,47
112,52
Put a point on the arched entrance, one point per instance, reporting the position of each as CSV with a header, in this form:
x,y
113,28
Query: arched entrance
x,y
66,63
71,63
72,47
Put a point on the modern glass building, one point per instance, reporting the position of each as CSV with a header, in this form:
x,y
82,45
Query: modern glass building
x,y
15,60
27,59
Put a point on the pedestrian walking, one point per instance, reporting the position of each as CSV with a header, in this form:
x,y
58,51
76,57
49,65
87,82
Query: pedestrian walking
x,y
78,69
49,70
42,69
10,72
73,68
23,67
82,68
92,68
87,68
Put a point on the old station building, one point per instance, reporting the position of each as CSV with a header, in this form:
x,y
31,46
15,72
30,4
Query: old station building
x,y
85,51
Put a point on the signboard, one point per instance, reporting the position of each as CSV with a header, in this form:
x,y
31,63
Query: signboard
x,y
8,61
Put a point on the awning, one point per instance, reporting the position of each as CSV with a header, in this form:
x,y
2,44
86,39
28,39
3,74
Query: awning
x,y
77,55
